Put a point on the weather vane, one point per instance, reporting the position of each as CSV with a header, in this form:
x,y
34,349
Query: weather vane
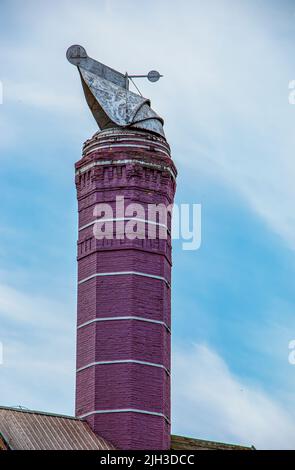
x,y
152,76
109,98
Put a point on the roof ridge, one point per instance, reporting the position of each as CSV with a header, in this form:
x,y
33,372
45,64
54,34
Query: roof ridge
x,y
208,441
46,413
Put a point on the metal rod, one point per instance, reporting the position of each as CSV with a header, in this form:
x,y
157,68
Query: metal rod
x,y
140,76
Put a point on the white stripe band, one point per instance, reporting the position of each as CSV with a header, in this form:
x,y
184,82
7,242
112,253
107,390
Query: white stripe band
x,y
125,410
93,147
122,219
124,273
158,322
124,361
106,143
124,162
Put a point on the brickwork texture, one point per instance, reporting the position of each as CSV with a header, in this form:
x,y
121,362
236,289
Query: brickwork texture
x,y
123,361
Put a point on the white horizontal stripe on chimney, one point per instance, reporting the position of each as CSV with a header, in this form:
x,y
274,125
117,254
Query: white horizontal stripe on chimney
x,y
123,219
125,410
94,147
102,141
124,273
158,322
124,361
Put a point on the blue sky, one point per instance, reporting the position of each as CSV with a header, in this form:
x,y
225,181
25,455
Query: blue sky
x,y
224,97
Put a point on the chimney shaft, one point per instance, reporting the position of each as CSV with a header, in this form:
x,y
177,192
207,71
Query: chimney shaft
x,y
124,290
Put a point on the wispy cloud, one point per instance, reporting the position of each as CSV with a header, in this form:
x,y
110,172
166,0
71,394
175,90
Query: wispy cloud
x,y
210,402
32,310
38,96
38,338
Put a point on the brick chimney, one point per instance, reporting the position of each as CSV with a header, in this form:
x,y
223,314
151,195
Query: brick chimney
x,y
124,292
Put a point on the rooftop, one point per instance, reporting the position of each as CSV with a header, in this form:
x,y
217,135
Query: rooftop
x,y
188,443
22,429
33,430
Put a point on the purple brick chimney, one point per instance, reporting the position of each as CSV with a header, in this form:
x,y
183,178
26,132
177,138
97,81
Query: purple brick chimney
x,y
124,293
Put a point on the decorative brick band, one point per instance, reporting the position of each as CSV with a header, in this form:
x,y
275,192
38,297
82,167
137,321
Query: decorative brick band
x,y
125,273
112,139
104,138
137,146
123,219
125,410
124,361
158,322
124,162
116,136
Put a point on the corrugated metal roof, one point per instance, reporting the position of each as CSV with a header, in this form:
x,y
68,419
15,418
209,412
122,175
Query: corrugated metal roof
x,y
34,430
188,443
